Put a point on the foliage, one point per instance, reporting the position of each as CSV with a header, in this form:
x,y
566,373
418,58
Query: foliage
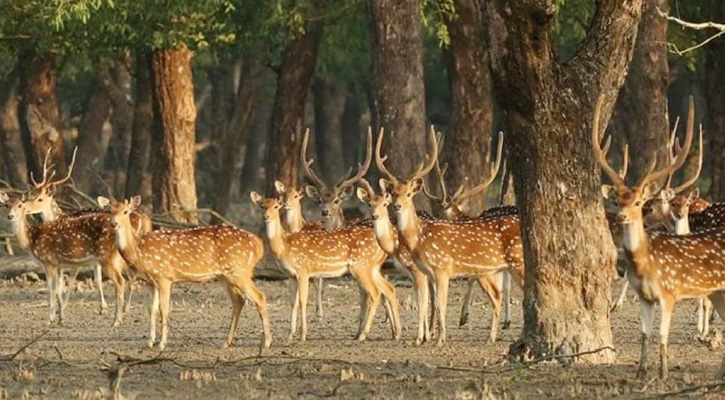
x,y
571,25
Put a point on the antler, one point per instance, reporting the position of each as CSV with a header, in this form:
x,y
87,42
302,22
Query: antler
x,y
380,160
423,169
681,152
625,161
70,170
361,169
693,179
46,168
441,183
368,187
492,176
306,164
601,157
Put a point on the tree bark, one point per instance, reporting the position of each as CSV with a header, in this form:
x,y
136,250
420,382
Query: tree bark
x,y
329,104
174,132
38,112
466,149
547,109
257,138
143,117
10,141
714,82
90,131
640,116
396,58
235,135
351,132
288,115
121,121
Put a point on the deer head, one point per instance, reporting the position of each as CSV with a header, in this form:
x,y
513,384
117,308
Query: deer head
x,y
43,202
630,201
332,199
121,212
379,213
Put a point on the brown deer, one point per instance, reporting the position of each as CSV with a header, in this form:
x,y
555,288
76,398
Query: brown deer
x,y
387,237
472,248
191,255
70,242
329,253
663,268
43,202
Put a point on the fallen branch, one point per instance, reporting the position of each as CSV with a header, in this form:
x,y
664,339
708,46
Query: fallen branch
x,y
11,357
559,356
700,390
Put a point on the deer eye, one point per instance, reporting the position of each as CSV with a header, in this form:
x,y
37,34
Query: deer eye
x,y
637,203
125,212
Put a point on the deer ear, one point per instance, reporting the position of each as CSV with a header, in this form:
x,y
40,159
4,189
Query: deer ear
x,y
694,194
256,197
279,186
3,197
417,185
649,190
363,195
607,191
103,202
668,194
347,193
384,184
311,192
135,202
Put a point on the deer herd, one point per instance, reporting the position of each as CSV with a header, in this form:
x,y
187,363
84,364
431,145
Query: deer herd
x,y
672,244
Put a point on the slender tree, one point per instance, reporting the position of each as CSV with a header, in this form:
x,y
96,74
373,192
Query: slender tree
x,y
143,116
329,104
547,108
714,82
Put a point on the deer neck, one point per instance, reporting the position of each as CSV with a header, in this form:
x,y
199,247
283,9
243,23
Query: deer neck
x,y
22,231
409,226
635,242
276,236
52,213
127,241
682,226
294,219
385,233
335,221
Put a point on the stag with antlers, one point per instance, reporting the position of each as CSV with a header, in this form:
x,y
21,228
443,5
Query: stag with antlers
x,y
663,268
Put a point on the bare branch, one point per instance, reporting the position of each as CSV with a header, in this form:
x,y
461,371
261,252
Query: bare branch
x,y
692,25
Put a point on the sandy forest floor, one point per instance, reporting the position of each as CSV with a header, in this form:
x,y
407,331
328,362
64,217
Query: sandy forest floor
x,y
73,361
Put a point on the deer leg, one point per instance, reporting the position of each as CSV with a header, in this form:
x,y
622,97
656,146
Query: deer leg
x,y
391,297
165,296
373,299
295,298
363,311
506,300
260,301
667,307
490,285
131,288
420,282
98,277
704,312
466,303
622,296
154,309
51,279
320,314
115,272
303,294
59,289
237,304
72,282
646,314
433,318
441,304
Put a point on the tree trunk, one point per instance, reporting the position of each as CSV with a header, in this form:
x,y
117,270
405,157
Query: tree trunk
x,y
714,83
235,136
396,57
329,104
257,139
547,109
90,130
121,121
466,149
640,116
288,115
39,114
143,117
351,132
174,133
10,141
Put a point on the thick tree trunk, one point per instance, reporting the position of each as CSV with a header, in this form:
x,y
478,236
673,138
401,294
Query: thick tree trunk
x,y
174,132
547,112
640,117
143,118
466,149
351,132
121,121
10,142
288,116
90,132
329,104
235,136
257,140
38,112
714,83
396,57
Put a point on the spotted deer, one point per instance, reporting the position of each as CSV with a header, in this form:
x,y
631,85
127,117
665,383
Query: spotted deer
x,y
329,253
456,206
191,255
388,239
43,202
445,249
663,268
69,242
